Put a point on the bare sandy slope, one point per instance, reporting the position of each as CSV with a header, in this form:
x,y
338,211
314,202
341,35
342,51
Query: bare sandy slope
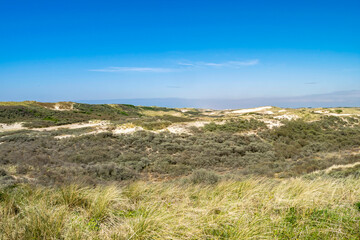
x,y
18,126
249,110
11,127
73,126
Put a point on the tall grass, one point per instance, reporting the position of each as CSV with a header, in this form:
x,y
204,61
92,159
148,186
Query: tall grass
x,y
249,209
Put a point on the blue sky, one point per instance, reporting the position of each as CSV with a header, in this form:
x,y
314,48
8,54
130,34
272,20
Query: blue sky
x,y
91,50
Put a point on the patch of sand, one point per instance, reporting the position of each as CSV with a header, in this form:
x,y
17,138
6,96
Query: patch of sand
x,y
127,130
180,128
287,116
342,166
272,123
269,112
177,128
340,114
62,106
249,110
335,114
64,136
11,127
75,126
321,111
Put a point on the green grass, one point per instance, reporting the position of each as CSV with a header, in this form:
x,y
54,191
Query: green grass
x,y
248,209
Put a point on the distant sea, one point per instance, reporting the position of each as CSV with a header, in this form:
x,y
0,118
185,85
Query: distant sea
x,y
335,99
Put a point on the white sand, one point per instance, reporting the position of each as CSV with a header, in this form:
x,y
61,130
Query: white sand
x,y
125,130
249,110
288,117
11,127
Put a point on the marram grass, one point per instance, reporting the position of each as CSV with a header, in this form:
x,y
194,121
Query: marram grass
x,y
249,209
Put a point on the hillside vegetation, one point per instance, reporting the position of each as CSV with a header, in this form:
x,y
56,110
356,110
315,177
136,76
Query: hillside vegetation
x,y
80,171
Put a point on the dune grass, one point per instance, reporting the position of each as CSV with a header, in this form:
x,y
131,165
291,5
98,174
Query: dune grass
x,y
249,209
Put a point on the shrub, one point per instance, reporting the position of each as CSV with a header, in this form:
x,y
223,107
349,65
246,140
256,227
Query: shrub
x,y
203,176
238,125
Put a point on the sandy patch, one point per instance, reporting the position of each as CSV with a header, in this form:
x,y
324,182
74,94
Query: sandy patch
x,y
287,116
177,128
321,111
75,126
18,126
342,166
340,114
249,110
272,123
11,127
64,136
127,130
335,114
268,112
180,128
61,106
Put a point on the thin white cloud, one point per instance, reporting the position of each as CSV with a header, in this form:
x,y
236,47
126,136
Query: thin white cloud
x,y
186,65
133,69
211,64
244,63
228,64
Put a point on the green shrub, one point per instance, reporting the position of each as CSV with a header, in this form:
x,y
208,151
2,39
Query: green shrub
x,y
203,176
238,125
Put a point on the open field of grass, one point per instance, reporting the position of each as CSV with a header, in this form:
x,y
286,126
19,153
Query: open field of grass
x,y
248,209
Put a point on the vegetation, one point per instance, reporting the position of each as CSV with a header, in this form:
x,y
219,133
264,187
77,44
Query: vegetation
x,y
248,209
293,149
237,125
37,114
233,178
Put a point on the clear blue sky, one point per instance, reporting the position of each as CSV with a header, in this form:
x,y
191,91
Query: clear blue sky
x,y
76,50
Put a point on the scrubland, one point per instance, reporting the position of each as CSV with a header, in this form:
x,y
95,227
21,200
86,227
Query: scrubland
x,y
233,176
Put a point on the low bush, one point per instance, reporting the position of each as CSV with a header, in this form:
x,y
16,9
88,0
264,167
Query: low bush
x,y
238,125
203,176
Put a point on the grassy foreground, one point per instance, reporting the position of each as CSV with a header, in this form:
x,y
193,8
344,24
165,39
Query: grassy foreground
x,y
323,208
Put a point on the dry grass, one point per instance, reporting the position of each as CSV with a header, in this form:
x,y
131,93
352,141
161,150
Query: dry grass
x,y
249,209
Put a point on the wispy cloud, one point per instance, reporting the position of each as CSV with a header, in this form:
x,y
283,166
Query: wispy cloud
x,y
210,64
180,67
229,64
133,69
311,83
244,63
